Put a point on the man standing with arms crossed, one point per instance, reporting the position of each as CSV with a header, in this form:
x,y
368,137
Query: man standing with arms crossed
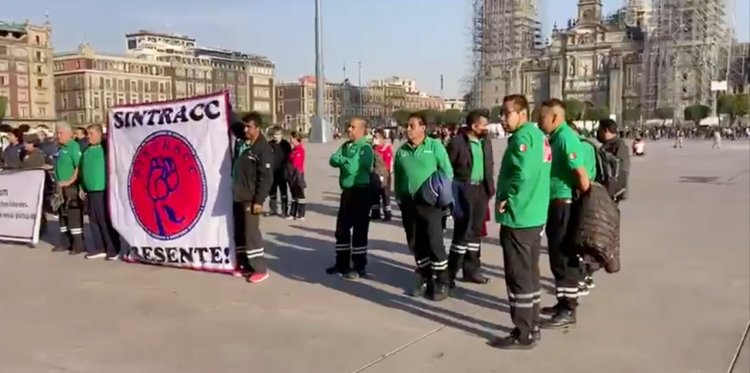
x,y
523,190
568,178
354,159
69,213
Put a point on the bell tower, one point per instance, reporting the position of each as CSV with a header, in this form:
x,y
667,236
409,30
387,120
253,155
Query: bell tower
x,y
589,11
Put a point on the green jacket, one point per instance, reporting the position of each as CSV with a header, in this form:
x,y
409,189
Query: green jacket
x,y
413,166
354,159
524,179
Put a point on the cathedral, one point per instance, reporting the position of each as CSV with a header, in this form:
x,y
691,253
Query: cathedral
x,y
595,60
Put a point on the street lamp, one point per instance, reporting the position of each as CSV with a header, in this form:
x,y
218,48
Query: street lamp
x,y
319,130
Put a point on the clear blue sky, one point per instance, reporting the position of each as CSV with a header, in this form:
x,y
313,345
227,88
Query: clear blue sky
x,y
421,39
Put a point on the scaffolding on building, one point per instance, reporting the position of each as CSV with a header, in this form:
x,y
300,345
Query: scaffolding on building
x,y
503,32
687,47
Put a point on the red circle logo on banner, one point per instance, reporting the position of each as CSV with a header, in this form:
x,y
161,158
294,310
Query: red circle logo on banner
x,y
166,185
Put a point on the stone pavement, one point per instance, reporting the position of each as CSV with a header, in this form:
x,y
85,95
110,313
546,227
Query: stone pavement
x,y
680,303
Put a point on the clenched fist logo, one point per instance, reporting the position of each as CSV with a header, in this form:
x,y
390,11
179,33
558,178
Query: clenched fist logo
x,y
163,180
167,185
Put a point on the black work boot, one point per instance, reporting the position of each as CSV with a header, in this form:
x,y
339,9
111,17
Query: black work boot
x,y
549,311
300,211
441,291
284,208
387,215
514,341
375,214
420,288
561,319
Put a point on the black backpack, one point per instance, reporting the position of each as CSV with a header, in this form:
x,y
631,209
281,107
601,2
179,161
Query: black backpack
x,y
608,168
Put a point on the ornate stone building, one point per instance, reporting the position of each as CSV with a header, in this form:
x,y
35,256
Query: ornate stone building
x,y
595,60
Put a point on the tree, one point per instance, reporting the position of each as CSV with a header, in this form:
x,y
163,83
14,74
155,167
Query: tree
x,y
631,115
697,113
573,110
401,116
3,105
596,113
452,116
495,113
433,116
733,105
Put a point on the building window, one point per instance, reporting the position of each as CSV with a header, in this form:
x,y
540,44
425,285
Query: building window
x,y
97,103
80,118
65,103
38,40
42,111
21,67
24,111
3,80
39,83
108,102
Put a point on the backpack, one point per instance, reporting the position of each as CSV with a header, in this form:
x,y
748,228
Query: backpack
x,y
607,170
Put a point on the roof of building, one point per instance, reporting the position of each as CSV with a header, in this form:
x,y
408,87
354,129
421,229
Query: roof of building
x,y
161,34
13,27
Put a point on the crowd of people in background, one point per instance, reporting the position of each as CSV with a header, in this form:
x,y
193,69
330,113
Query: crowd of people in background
x,y
436,173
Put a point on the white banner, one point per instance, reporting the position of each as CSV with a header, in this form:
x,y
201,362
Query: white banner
x,y
21,194
170,184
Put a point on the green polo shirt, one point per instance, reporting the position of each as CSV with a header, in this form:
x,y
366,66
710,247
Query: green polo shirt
x,y
412,166
524,179
477,160
566,157
354,160
68,158
94,169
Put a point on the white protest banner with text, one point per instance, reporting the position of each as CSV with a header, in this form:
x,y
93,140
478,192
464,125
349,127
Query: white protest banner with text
x,y
21,195
169,182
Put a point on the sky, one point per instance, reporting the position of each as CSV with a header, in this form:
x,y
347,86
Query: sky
x,y
417,39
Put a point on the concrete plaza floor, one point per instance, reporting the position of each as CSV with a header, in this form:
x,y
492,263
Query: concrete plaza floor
x,y
680,303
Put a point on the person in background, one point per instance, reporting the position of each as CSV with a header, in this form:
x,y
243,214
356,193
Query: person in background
x,y
717,140
354,159
70,212
416,161
680,139
252,173
569,176
470,152
82,138
14,153
281,149
48,145
33,157
521,204
639,147
383,196
296,177
607,135
93,176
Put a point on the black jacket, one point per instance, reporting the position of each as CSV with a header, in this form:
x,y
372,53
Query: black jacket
x,y
459,152
253,173
281,151
620,150
596,232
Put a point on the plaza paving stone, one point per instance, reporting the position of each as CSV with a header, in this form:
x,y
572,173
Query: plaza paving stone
x,y
680,303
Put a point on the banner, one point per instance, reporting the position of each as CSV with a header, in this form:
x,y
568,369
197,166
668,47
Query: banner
x,y
170,184
21,195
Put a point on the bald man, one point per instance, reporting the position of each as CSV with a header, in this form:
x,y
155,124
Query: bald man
x,y
66,175
568,178
354,159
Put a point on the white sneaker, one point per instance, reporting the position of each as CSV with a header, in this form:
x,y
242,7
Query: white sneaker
x,y
95,256
113,258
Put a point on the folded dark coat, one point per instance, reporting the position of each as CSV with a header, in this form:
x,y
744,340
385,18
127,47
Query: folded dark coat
x,y
597,228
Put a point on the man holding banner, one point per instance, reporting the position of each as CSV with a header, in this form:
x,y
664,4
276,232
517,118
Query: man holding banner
x,y
252,180
66,174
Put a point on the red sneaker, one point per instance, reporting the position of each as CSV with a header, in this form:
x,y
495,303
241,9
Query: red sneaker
x,y
257,277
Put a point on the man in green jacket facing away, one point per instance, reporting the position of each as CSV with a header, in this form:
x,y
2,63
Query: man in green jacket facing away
x,y
521,210
354,159
569,177
415,162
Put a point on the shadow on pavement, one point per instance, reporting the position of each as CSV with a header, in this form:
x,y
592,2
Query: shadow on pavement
x,y
311,256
